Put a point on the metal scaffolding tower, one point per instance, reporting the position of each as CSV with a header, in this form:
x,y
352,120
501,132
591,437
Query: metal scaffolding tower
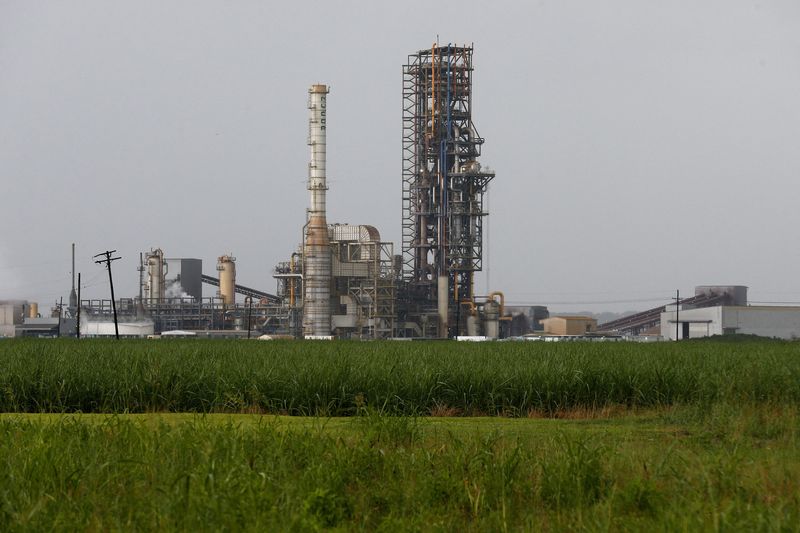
x,y
443,182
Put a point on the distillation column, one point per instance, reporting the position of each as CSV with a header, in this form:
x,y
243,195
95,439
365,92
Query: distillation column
x,y
226,266
316,249
155,290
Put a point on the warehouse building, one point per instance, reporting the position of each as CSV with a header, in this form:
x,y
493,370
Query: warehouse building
x,y
569,325
765,321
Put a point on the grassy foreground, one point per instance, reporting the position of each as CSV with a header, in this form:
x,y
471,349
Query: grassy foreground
x,y
338,378
597,437
673,470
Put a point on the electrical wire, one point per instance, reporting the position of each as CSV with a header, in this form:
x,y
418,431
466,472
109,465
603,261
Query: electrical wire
x,y
587,302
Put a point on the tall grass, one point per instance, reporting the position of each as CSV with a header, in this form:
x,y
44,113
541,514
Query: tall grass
x,y
377,473
339,378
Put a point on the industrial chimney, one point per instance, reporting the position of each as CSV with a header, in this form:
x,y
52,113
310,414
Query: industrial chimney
x,y
317,260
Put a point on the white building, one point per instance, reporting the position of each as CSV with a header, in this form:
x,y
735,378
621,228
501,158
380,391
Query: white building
x,y
126,329
766,321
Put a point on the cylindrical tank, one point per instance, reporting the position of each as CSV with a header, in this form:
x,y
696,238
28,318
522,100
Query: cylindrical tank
x,y
491,317
33,310
226,266
316,250
156,274
443,302
472,325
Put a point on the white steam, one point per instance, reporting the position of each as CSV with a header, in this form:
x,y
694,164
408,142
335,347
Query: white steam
x,y
175,290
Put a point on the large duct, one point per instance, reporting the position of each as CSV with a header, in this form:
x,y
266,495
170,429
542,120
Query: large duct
x,y
317,260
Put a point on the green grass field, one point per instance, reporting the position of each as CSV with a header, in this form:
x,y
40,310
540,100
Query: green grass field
x,y
679,470
335,379
192,436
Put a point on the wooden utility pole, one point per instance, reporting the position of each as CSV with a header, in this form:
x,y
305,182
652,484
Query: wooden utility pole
x,y
108,259
678,315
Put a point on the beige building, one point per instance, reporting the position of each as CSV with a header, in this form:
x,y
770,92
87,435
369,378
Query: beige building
x,y
569,325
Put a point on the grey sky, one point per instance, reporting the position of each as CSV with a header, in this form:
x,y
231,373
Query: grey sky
x,y
639,146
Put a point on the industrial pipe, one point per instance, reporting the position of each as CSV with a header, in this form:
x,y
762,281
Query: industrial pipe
x,y
502,301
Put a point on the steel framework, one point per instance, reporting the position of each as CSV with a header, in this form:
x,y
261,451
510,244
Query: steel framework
x,y
443,183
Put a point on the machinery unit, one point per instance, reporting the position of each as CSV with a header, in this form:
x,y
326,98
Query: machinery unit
x,y
443,186
363,282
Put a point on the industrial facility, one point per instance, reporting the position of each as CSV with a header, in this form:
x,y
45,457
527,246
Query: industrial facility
x,y
345,281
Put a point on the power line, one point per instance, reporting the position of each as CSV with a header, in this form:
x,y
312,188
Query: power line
x,y
587,302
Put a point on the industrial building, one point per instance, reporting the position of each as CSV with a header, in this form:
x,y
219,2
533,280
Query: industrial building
x,y
649,322
569,325
21,318
765,321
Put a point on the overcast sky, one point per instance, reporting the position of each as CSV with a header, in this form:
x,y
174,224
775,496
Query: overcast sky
x,y
640,146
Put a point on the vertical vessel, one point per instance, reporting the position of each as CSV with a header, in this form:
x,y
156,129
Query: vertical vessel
x,y
316,248
155,290
226,266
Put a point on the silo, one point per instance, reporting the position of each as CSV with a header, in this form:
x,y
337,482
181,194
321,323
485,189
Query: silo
x,y
33,310
226,266
156,272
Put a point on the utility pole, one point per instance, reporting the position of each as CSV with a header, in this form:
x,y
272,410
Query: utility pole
x,y
78,325
677,315
108,259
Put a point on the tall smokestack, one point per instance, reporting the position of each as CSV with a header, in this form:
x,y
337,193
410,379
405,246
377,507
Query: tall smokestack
x,y
317,261
73,296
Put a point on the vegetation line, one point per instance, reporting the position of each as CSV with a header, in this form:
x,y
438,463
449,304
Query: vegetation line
x,y
421,379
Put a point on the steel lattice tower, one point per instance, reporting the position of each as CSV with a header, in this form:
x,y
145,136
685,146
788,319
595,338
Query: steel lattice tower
x,y
443,182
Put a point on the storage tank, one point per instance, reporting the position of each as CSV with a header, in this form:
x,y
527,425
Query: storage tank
x,y
491,315
33,310
472,325
226,266
156,272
